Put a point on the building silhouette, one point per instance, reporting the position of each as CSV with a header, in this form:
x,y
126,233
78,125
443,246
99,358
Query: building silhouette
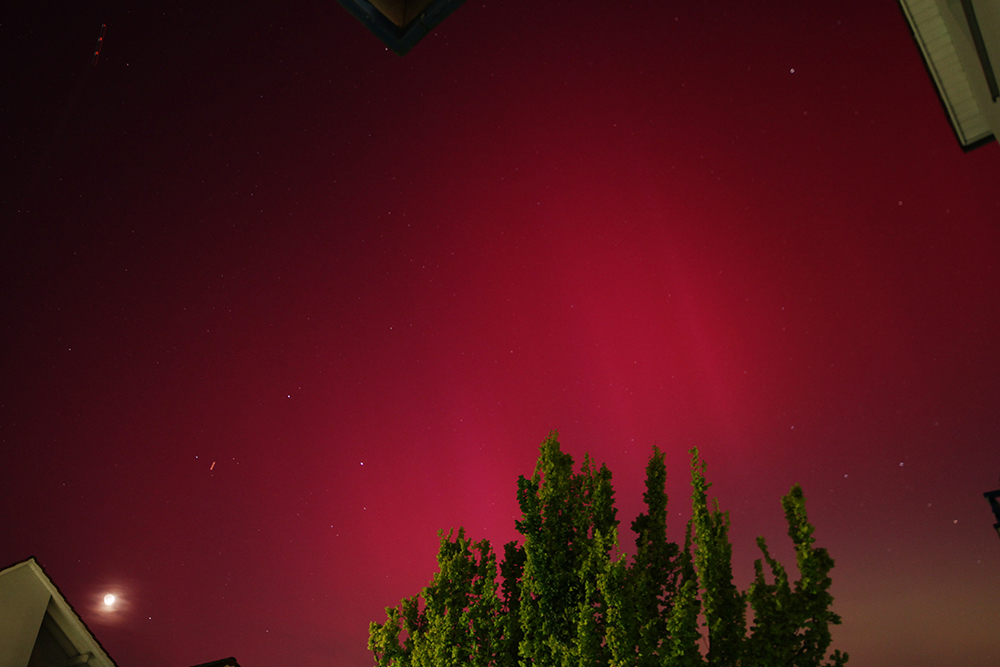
x,y
400,24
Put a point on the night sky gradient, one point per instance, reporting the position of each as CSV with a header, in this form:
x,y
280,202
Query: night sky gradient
x,y
364,288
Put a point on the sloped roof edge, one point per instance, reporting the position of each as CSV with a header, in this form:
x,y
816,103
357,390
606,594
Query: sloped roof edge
x,y
66,617
951,83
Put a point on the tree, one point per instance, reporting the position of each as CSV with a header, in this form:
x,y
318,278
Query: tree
x,y
653,576
568,596
721,602
458,623
569,524
792,626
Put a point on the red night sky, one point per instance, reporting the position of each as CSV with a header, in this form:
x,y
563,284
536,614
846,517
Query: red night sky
x,y
278,305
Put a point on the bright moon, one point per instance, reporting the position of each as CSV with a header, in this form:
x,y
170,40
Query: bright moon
x,y
109,599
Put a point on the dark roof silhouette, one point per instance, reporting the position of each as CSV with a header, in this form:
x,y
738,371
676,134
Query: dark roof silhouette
x,y
225,662
400,24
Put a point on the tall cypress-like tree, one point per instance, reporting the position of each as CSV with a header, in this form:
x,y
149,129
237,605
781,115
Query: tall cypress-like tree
x,y
722,602
569,524
569,598
792,625
652,580
511,634
459,621
680,645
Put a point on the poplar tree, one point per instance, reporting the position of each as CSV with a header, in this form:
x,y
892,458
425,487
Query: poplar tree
x,y
680,645
569,524
458,623
509,626
568,597
722,603
653,576
792,625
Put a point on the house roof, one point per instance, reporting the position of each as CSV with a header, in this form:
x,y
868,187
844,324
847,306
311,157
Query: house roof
x,y
33,610
958,63
400,24
225,662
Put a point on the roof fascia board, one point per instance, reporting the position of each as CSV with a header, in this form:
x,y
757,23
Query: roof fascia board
x,y
66,618
947,57
969,9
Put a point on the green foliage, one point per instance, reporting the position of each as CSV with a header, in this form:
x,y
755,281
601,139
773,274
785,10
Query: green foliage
x,y
569,526
679,647
652,580
459,621
721,602
570,598
509,625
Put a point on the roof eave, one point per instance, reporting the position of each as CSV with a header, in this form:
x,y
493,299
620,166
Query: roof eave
x,y
934,37
400,39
